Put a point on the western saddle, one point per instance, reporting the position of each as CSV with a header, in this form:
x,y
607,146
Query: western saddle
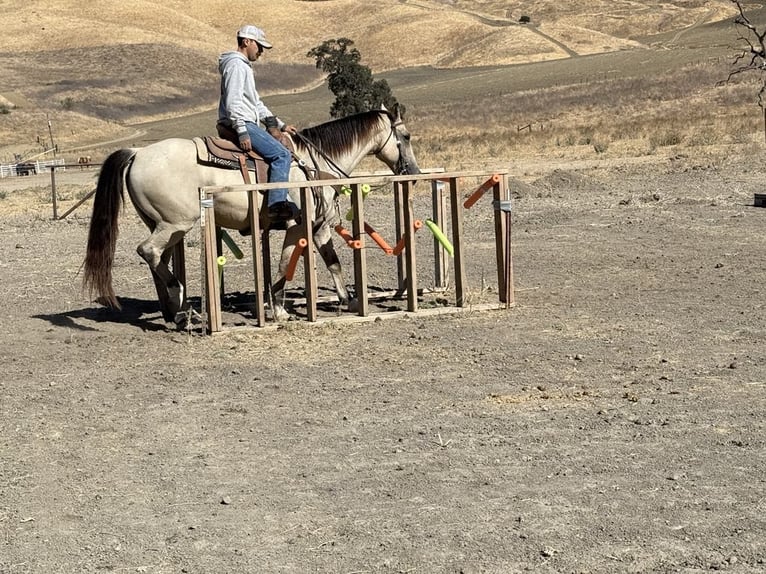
x,y
224,152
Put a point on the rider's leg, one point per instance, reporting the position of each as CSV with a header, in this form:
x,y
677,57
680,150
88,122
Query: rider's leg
x,y
278,158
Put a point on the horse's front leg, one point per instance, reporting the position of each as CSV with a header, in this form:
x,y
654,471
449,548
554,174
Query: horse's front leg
x,y
324,244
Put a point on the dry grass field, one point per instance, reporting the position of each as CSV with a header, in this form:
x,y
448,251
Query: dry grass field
x,y
96,78
612,421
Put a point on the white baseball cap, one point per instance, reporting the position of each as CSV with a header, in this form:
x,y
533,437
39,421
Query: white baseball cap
x,y
253,33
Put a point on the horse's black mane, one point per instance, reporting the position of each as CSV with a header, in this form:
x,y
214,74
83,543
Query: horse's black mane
x,y
336,137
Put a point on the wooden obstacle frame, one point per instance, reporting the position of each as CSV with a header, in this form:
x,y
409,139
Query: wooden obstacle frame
x,y
405,223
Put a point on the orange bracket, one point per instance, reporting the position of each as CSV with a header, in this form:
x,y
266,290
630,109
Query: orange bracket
x,y
417,224
481,190
376,237
296,254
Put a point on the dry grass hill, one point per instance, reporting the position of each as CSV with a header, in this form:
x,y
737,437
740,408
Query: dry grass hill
x,y
101,70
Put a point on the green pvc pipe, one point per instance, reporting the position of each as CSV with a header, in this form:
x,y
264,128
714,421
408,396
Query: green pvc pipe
x,y
231,245
365,190
440,237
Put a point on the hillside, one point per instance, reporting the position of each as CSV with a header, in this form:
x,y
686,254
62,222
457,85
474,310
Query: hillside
x,y
95,68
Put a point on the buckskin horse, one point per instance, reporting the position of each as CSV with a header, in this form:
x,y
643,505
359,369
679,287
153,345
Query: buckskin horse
x,y
163,181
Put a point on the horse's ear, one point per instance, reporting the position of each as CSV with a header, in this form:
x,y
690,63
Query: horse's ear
x,y
398,111
383,108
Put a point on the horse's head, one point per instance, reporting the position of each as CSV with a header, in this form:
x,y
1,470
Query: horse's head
x,y
339,145
396,149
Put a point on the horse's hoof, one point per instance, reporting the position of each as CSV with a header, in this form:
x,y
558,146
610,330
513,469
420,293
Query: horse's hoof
x,y
280,314
187,318
353,305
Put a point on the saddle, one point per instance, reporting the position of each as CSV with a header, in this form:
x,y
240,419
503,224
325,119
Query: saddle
x,y
224,152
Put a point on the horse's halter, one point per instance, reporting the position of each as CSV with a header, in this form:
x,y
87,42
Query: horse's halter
x,y
401,167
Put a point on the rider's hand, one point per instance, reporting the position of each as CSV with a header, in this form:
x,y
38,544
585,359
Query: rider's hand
x,y
290,129
245,143
281,137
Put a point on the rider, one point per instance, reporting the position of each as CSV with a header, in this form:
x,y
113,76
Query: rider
x,y
240,108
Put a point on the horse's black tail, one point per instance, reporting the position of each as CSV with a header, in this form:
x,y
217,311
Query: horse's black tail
x,y
102,236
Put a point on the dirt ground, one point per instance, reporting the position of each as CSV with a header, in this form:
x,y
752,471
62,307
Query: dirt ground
x,y
613,421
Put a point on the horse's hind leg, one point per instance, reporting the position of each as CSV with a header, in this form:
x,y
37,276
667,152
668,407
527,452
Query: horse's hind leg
x,y
156,251
163,285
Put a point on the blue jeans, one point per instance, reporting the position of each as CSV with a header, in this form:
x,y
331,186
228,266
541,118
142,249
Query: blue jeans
x,y
276,155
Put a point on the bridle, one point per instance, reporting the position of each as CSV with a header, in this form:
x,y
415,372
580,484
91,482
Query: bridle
x,y
401,167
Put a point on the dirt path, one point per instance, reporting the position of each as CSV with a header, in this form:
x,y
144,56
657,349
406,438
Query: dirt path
x,y
612,422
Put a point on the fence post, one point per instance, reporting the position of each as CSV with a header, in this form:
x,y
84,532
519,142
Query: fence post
x,y
502,208
212,292
457,242
399,230
53,192
441,262
360,256
409,250
309,258
257,241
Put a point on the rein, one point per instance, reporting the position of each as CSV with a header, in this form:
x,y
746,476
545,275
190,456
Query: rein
x,y
312,146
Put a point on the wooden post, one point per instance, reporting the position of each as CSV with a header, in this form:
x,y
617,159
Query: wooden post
x,y
64,215
219,252
360,257
502,208
441,261
456,207
54,195
212,293
399,229
409,249
309,258
258,257
510,296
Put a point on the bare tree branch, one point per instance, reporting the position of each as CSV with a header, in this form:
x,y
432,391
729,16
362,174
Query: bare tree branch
x,y
753,57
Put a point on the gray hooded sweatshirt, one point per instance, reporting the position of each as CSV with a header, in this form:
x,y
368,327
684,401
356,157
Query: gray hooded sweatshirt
x,y
239,101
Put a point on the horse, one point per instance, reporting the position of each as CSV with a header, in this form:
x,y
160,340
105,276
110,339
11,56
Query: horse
x,y
163,181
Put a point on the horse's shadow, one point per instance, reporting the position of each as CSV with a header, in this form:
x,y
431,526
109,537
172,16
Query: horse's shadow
x,y
146,314
140,313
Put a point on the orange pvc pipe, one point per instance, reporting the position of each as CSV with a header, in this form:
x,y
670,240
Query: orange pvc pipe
x,y
340,230
481,190
377,238
348,238
417,224
296,254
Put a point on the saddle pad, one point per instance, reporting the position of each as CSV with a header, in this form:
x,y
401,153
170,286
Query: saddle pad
x,y
222,153
206,156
